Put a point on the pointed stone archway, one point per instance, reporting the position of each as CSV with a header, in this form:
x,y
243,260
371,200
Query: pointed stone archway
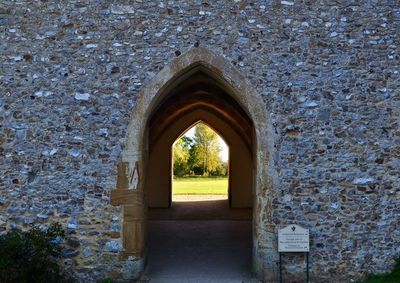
x,y
131,191
199,98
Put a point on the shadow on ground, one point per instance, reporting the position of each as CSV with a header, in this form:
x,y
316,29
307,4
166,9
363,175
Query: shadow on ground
x,y
199,241
200,210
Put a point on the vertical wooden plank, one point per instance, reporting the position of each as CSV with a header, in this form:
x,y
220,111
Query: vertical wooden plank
x,y
133,239
123,176
134,213
134,230
129,194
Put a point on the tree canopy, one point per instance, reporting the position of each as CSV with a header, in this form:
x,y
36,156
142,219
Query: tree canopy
x,y
200,155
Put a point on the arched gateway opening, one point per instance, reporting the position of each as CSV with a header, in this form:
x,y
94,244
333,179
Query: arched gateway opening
x,y
199,97
197,86
200,165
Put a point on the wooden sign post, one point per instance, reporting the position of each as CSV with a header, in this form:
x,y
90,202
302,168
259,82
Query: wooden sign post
x,y
293,238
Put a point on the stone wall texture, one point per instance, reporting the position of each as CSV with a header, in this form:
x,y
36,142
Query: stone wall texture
x,y
328,73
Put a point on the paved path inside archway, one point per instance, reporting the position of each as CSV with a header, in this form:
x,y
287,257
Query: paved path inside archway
x,y
200,207
190,243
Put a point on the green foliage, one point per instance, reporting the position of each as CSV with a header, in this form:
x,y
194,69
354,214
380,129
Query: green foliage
x,y
393,277
221,170
207,149
200,156
31,256
181,156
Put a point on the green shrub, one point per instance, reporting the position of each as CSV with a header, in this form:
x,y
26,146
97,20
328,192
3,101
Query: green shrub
x,y
392,277
31,256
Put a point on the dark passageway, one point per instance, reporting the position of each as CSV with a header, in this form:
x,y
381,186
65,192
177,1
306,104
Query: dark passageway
x,y
199,241
200,210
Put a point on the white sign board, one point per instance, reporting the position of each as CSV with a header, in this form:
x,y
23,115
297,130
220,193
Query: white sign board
x,y
293,238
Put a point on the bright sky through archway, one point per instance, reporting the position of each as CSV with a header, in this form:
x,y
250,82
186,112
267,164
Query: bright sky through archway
x,y
225,150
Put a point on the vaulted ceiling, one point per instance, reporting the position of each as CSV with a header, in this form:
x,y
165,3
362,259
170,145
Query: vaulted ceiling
x,y
199,91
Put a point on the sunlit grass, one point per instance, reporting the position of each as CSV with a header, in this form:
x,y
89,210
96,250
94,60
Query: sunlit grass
x,y
200,186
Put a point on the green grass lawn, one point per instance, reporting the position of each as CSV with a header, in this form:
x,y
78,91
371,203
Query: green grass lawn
x,y
200,186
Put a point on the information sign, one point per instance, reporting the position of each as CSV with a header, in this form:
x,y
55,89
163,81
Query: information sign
x,y
293,238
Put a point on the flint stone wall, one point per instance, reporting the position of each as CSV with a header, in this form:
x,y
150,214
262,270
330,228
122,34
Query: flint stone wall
x,y
328,72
